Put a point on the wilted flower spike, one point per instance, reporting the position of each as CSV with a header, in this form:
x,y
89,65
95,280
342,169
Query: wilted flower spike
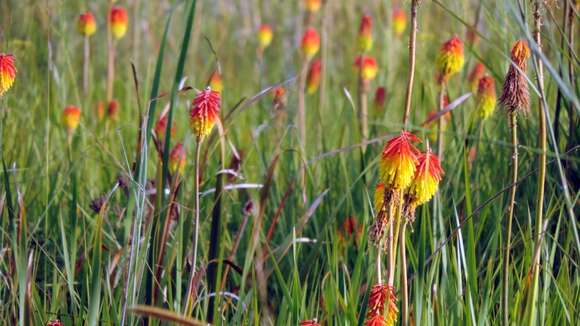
x,y
7,72
515,96
485,97
450,60
310,43
119,20
313,78
204,112
87,25
368,67
265,35
71,116
365,34
399,21
398,161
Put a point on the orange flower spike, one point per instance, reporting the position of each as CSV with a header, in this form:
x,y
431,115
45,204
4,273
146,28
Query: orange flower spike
x,y
311,322
7,72
310,43
204,112
215,82
450,60
71,117
312,5
485,97
119,20
399,21
474,76
113,110
265,36
177,159
365,34
520,53
398,161
426,181
313,78
87,26
368,67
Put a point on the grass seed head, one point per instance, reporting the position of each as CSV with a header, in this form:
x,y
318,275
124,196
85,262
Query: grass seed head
x,y
119,20
87,26
204,112
7,72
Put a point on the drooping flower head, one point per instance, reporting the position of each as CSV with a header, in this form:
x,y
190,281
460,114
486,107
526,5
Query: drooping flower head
x,y
310,43
215,82
485,97
515,96
113,110
177,159
399,21
365,34
87,25
204,112
380,96
7,72
382,306
398,161
119,20
265,35
310,322
71,116
313,78
427,177
312,6
450,60
474,76
367,66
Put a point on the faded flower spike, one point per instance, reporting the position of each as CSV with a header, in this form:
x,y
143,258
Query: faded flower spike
x,y
313,78
312,5
215,82
119,20
71,117
204,112
367,66
398,161
485,97
365,34
7,72
87,25
450,60
177,159
399,21
310,43
515,96
265,35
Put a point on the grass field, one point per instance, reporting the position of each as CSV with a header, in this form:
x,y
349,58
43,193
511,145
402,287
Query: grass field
x,y
98,223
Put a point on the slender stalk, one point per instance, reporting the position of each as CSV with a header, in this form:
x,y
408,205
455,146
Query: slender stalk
x,y
541,164
191,291
86,65
510,214
412,56
404,284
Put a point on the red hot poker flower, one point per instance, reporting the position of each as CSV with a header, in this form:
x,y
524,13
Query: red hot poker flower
x,y
365,34
113,110
398,161
265,35
313,78
450,60
119,20
87,25
7,72
177,159
477,72
367,66
380,96
310,43
399,21
204,112
71,116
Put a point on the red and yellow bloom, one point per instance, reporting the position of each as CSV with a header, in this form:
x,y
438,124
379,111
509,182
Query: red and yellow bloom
x,y
365,34
7,72
313,77
119,20
485,97
399,21
204,112
398,161
382,307
426,180
215,82
265,36
113,110
71,117
310,43
450,60
312,5
177,159
367,66
87,25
